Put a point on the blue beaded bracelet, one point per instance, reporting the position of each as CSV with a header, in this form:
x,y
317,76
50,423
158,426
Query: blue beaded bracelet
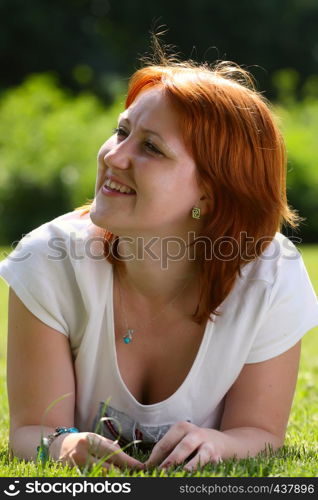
x,y
43,449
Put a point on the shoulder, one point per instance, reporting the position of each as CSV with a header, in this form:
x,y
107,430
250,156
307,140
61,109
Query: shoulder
x,y
280,278
55,276
288,307
281,258
68,227
65,239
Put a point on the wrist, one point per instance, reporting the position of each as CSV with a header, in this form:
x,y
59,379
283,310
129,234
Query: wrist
x,y
50,445
55,449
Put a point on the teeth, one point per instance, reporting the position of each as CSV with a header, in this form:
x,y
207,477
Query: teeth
x,y
118,187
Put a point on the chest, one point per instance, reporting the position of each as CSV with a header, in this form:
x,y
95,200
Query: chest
x,y
158,359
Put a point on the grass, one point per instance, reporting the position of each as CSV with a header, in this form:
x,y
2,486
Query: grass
x,y
297,458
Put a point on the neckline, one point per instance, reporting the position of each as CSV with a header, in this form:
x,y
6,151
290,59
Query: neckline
x,y
208,332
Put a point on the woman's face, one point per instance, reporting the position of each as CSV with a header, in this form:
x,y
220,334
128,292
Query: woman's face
x,y
147,154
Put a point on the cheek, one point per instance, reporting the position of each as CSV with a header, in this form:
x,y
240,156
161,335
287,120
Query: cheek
x,y
169,197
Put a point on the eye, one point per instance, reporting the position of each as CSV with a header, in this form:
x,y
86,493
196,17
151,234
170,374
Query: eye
x,y
120,132
151,147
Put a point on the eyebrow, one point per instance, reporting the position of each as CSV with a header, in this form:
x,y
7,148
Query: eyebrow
x,y
147,130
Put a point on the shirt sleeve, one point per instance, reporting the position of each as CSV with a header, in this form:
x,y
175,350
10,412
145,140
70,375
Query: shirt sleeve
x,y
292,310
42,278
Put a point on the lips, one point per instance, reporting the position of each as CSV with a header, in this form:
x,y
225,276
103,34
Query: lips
x,y
119,181
112,192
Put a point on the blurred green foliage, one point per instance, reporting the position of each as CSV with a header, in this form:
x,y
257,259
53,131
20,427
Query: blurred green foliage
x,y
49,136
49,141
299,124
88,42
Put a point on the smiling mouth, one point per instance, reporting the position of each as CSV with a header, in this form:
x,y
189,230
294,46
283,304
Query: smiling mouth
x,y
118,188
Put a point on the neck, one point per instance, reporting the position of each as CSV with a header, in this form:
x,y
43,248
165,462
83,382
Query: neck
x,y
158,272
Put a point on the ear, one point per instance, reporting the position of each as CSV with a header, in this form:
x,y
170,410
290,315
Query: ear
x,y
205,204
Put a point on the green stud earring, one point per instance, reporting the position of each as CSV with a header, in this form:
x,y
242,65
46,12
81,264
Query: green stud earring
x,y
196,213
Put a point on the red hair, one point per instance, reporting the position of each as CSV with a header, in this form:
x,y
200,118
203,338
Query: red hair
x,y
230,131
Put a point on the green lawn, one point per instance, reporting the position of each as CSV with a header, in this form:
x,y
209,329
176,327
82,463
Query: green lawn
x,y
298,458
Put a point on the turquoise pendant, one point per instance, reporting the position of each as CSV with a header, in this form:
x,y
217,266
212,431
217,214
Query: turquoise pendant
x,y
128,337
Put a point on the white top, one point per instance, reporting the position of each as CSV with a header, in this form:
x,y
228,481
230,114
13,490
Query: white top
x,y
59,272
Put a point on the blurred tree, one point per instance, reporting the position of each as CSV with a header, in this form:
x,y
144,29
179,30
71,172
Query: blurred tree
x,y
285,82
49,141
89,43
49,136
25,205
299,124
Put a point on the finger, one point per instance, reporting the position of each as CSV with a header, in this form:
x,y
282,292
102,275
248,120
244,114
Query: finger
x,y
91,462
106,465
110,451
121,459
166,444
206,454
84,464
184,449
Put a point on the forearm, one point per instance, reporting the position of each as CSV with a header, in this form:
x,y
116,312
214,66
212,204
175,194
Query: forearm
x,y
25,440
244,442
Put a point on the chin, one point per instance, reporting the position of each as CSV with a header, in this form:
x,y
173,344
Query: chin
x,y
98,217
100,222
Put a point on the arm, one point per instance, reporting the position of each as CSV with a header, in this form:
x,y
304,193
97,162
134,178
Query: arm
x,y
255,414
40,370
258,405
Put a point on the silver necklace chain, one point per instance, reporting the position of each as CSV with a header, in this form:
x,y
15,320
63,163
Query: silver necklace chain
x,y
128,336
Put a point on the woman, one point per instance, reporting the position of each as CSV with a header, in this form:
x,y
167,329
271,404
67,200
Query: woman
x,y
181,305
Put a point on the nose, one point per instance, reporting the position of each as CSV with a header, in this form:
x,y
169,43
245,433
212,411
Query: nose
x,y
119,156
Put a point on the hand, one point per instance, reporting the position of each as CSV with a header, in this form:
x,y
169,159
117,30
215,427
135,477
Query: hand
x,y
181,441
84,448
